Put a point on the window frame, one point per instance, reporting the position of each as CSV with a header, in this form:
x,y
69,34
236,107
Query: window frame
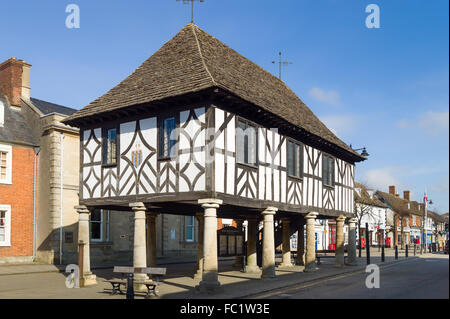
x,y
105,140
2,112
8,150
7,210
247,124
96,240
333,161
161,119
191,226
300,145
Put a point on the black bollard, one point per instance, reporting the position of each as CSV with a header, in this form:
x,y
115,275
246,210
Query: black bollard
x,y
396,252
406,251
130,288
382,254
414,249
367,244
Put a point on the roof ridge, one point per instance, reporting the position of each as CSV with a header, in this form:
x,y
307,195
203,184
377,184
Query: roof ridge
x,y
201,55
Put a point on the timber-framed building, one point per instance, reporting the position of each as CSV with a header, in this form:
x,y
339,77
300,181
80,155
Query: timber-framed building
x,y
200,130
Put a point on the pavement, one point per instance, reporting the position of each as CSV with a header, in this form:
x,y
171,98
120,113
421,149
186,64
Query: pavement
x,y
48,282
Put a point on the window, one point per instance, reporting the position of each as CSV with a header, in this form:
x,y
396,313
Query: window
x,y
100,226
189,228
167,138
246,140
328,170
110,147
295,159
5,225
5,164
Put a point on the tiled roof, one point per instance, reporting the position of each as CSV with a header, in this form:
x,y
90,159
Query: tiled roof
x,y
193,61
47,107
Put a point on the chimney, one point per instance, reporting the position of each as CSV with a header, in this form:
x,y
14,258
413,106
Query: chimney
x,y
406,195
392,190
15,80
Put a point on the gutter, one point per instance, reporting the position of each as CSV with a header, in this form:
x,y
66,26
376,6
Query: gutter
x,y
36,153
61,158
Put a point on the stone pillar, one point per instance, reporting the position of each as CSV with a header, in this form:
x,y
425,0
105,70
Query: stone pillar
x,y
300,244
238,262
339,255
252,232
152,259
310,258
286,261
139,251
268,254
201,222
351,255
86,278
210,282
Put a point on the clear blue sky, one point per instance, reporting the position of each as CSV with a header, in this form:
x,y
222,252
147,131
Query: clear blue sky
x,y
386,89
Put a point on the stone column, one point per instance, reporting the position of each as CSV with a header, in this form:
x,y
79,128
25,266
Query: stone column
x,y
210,282
268,254
351,255
86,278
286,262
339,255
151,240
201,221
310,258
238,262
139,251
252,232
300,261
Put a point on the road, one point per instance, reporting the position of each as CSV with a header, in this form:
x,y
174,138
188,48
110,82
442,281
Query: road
x,y
422,278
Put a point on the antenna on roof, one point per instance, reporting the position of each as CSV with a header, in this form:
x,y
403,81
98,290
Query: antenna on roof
x,y
192,3
281,63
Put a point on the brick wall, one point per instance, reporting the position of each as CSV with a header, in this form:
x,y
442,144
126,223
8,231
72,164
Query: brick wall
x,y
20,196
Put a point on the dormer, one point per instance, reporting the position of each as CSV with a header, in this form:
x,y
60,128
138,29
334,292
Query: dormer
x,y
370,192
358,191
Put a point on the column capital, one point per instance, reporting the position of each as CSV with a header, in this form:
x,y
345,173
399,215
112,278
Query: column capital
x,y
353,220
269,211
252,218
341,219
81,209
210,202
139,206
311,215
286,219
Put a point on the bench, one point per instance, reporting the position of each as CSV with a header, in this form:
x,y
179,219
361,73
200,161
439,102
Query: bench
x,y
152,284
318,257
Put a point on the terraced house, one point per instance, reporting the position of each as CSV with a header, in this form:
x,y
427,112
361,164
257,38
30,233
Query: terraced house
x,y
199,130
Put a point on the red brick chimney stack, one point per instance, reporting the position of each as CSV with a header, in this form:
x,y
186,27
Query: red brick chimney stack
x,y
406,195
15,80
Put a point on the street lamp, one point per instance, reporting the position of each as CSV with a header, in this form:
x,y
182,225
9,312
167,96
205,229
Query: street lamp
x,y
363,149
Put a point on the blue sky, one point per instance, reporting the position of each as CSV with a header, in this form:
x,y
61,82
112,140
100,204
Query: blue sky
x,y
386,89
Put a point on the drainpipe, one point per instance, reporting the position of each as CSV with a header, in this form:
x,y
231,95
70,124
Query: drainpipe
x,y
61,199
36,153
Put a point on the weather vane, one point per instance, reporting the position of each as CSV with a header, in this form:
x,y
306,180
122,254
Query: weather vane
x,y
192,3
281,64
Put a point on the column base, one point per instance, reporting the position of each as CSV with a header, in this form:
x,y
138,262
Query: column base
x,y
88,280
312,268
252,269
338,265
300,263
139,287
198,274
209,287
351,263
285,266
